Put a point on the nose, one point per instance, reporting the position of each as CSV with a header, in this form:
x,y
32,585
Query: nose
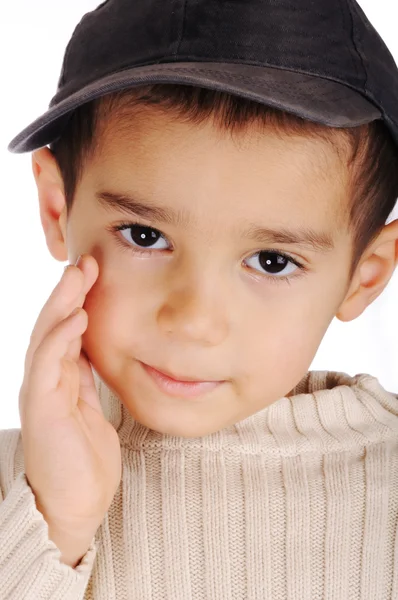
x,y
195,309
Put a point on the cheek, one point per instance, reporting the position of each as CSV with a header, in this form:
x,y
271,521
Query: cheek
x,y
114,309
280,340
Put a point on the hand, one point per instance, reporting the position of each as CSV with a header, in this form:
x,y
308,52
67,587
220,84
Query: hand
x,y
72,453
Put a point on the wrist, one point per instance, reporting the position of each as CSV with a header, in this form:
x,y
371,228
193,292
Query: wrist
x,y
72,545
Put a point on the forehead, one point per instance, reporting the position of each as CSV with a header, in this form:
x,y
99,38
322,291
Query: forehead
x,y
157,151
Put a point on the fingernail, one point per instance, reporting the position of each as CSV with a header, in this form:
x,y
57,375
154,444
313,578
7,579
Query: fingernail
x,y
78,260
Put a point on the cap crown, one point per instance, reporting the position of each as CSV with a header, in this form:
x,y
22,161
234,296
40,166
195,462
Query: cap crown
x,y
328,38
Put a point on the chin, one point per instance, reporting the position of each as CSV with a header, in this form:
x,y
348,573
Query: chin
x,y
173,425
183,430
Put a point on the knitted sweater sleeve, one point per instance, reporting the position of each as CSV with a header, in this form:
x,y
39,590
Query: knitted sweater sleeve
x,y
30,565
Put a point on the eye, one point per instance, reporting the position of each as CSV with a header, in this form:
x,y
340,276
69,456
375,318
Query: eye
x,y
273,264
142,237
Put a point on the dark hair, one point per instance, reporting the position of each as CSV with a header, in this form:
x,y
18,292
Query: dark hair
x,y
368,151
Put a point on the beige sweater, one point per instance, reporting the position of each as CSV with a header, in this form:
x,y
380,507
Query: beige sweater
x,y
297,502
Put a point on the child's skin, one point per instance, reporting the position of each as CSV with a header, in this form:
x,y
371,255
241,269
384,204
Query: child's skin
x,y
71,452
199,304
197,310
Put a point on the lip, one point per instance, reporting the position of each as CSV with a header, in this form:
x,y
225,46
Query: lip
x,y
178,387
181,379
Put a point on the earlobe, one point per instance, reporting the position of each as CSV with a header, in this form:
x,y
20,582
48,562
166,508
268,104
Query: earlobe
x,y
51,201
352,305
365,288
372,275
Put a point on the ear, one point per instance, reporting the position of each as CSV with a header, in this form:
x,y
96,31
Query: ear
x,y
52,201
372,274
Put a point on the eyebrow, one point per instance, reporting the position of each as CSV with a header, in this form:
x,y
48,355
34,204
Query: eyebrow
x,y
133,206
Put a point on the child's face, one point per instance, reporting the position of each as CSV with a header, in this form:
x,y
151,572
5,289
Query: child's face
x,y
202,303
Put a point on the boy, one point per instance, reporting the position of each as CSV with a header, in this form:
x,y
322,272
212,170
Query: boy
x,y
217,236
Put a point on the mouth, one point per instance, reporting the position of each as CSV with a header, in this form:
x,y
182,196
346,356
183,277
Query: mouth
x,y
180,386
181,378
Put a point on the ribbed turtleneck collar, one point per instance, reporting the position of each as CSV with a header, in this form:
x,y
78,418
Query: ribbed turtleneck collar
x,y
326,411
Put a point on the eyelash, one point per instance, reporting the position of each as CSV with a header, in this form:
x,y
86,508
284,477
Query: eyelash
x,y
139,251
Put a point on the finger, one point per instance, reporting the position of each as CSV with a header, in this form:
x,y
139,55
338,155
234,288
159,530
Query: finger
x,y
74,349
90,269
68,294
91,274
51,368
59,305
88,390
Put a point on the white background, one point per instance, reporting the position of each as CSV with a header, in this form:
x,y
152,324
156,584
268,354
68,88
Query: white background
x,y
33,38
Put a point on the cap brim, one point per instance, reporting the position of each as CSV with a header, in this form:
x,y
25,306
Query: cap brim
x,y
314,98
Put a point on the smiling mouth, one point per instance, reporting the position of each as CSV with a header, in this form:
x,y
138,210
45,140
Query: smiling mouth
x,y
181,378
179,387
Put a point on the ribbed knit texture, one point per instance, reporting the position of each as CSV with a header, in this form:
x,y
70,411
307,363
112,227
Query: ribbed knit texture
x,y
296,502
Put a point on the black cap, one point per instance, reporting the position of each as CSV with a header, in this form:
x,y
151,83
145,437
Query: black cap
x,y
322,60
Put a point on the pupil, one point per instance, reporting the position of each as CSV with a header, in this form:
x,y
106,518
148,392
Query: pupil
x,y
271,262
144,236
